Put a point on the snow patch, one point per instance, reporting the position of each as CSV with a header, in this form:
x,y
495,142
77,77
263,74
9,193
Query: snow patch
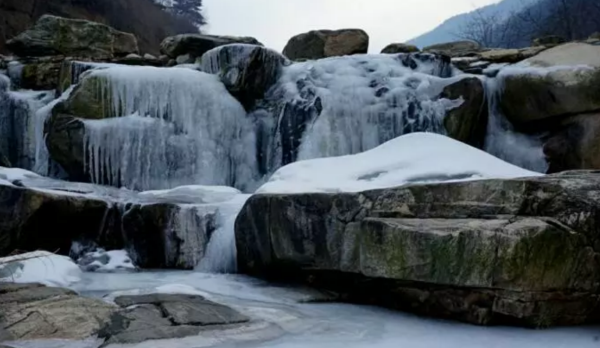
x,y
39,267
412,158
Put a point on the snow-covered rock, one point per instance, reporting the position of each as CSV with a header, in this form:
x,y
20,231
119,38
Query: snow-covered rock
x,y
409,159
104,261
39,267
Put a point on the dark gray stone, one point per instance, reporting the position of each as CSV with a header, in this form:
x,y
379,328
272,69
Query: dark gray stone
x,y
520,251
162,316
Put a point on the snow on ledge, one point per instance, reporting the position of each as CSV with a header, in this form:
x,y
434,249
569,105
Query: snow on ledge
x,y
412,158
39,267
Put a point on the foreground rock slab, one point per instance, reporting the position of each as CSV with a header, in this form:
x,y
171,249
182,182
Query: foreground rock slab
x,y
162,316
517,252
32,311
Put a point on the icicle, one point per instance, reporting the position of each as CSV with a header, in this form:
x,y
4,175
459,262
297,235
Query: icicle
x,y
346,105
176,127
502,141
18,122
221,252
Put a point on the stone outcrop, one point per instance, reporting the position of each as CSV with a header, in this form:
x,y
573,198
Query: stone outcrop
x,y
248,71
319,44
52,35
162,316
400,48
467,122
33,311
571,90
550,40
150,230
518,252
455,49
195,45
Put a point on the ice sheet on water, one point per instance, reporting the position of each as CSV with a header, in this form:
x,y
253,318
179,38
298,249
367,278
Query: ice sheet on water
x,y
178,127
412,158
319,325
194,194
39,267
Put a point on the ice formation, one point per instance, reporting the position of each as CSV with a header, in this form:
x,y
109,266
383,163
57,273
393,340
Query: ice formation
x,y
174,127
503,141
20,127
346,105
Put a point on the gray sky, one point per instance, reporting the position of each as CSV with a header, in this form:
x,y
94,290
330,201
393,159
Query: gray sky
x,y
273,22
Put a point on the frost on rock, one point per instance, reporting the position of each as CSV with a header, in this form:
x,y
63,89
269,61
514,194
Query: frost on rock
x,y
104,261
39,267
412,158
346,105
173,127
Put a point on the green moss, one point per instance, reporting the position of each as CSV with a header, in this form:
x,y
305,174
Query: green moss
x,y
91,99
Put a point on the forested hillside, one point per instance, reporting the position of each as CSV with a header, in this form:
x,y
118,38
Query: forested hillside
x,y
150,22
567,19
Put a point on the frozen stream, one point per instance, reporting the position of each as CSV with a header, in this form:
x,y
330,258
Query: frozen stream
x,y
282,320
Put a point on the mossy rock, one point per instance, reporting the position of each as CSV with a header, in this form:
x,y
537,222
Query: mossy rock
x,y
520,252
561,93
52,35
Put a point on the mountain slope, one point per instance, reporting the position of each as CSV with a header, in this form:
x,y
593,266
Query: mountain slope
x,y
449,30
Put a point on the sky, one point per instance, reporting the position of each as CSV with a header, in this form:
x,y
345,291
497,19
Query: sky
x,y
274,22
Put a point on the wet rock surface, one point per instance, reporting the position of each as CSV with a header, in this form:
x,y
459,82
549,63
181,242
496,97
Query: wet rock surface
x,y
518,252
160,316
33,311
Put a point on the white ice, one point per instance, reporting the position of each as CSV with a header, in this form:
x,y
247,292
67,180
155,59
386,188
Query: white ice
x,y
172,127
411,158
366,100
282,319
194,194
40,267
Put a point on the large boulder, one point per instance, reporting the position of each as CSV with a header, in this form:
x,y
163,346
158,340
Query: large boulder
x,y
52,35
574,144
319,44
399,48
564,81
195,45
248,71
518,251
32,311
455,49
468,121
157,233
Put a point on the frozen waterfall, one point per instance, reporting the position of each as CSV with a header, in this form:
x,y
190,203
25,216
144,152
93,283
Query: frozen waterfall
x,y
174,126
20,129
504,142
346,105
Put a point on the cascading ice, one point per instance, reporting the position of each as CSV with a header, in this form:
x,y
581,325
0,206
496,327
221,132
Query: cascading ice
x,y
502,141
172,127
19,127
345,105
